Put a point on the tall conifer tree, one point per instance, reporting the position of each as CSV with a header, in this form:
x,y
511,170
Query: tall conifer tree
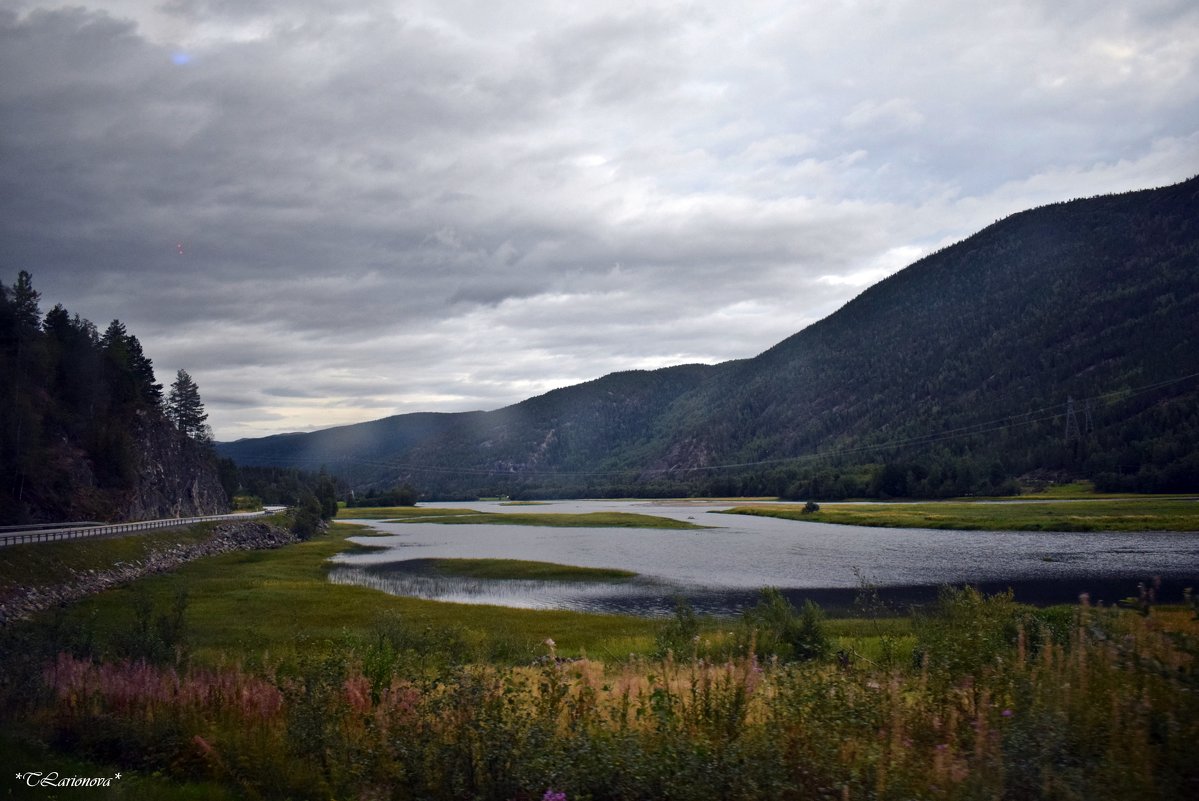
x,y
185,408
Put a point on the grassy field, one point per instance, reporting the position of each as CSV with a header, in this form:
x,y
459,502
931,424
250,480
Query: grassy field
x,y
1133,514
521,569
471,517
46,563
248,604
283,686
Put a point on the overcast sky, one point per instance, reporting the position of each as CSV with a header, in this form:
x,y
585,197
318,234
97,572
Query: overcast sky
x,y
330,212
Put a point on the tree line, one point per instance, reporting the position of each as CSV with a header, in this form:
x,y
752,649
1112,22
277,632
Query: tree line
x,y
73,404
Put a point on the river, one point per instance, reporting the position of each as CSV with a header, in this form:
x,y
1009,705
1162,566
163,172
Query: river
x,y
720,569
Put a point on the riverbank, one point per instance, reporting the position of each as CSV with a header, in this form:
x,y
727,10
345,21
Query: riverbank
x,y
466,517
1109,514
522,570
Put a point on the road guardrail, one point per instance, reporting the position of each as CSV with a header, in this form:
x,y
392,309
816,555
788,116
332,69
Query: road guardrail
x,y
51,534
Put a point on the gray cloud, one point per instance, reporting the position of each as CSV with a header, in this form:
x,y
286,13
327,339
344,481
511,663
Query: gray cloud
x,y
331,211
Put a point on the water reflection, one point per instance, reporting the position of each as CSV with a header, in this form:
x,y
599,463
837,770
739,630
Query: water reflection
x,y
636,596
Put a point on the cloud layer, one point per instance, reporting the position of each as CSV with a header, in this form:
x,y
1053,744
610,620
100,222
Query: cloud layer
x,y
334,211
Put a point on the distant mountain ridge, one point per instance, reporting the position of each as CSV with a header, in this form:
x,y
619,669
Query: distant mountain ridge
x,y
1093,299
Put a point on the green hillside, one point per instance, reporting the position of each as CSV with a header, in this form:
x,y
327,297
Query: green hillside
x,y
950,377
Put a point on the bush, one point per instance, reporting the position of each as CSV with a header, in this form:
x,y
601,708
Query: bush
x,y
306,518
154,636
680,635
967,631
774,628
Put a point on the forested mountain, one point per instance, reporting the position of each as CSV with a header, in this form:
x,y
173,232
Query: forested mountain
x,y
953,376
83,428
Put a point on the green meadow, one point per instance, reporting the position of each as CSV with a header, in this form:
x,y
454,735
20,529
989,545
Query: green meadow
x,y
47,563
249,676
248,604
509,569
1110,514
471,517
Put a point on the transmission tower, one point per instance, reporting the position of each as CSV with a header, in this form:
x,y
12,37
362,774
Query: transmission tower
x,y
1072,432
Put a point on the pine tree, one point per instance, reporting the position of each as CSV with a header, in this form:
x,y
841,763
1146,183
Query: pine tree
x,y
185,409
24,300
131,370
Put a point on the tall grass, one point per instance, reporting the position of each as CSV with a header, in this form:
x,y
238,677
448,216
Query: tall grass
x,y
997,702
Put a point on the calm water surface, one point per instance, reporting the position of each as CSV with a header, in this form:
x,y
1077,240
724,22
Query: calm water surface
x,y
720,569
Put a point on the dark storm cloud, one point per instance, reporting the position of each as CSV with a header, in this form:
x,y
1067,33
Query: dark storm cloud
x,y
330,211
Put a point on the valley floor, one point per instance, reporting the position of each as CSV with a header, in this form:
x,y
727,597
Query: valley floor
x,y
248,675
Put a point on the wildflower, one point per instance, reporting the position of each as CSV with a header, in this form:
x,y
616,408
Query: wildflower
x,y
1007,713
549,642
554,795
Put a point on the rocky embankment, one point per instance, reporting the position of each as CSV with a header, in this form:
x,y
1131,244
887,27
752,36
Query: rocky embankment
x,y
240,536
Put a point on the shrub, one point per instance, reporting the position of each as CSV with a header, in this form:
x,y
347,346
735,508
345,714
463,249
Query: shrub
x,y
306,517
154,636
967,631
774,628
679,636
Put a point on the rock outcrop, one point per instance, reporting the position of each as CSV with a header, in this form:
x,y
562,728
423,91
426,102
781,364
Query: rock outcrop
x,y
176,476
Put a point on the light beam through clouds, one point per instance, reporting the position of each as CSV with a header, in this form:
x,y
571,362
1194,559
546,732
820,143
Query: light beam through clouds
x,y
334,211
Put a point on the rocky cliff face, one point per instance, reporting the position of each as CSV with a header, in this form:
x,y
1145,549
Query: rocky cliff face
x,y
176,476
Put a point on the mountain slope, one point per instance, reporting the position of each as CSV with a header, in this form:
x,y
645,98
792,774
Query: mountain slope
x,y
1090,299
1075,299
565,429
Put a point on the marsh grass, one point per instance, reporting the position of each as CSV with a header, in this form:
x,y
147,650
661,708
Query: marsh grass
x,y
510,569
1132,514
358,548
561,520
279,602
458,516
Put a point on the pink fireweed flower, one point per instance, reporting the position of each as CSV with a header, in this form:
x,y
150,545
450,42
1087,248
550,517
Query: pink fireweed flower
x,y
1007,713
554,795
